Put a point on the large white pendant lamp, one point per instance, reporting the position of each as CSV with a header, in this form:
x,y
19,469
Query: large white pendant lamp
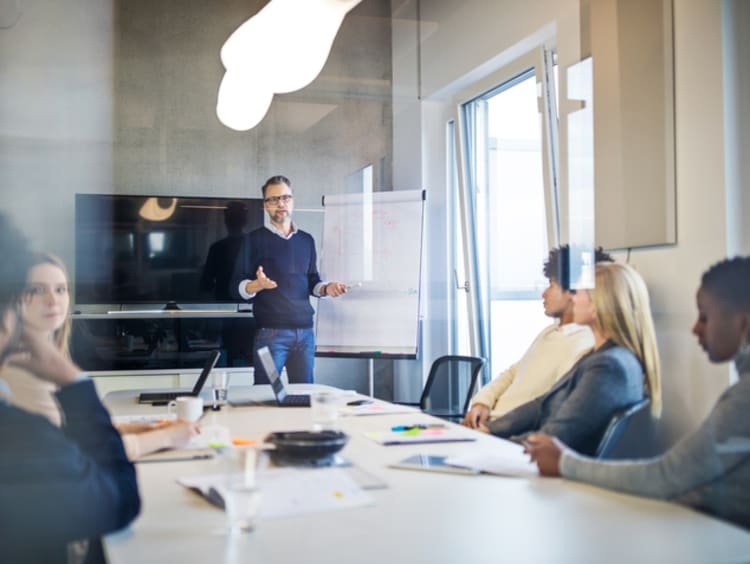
x,y
280,49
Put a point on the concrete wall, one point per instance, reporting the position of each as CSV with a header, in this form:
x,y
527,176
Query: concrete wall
x,y
119,97
56,104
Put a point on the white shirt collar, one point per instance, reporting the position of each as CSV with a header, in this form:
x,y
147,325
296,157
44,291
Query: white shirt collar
x,y
275,230
570,328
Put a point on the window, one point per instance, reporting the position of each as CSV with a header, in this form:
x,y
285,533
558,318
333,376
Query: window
x,y
507,129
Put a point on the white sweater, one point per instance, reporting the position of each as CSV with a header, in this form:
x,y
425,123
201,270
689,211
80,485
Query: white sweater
x,y
555,350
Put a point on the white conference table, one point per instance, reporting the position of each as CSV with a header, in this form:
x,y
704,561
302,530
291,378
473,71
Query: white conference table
x,y
419,517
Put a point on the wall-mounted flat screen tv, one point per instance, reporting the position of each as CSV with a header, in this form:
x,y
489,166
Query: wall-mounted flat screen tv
x,y
159,250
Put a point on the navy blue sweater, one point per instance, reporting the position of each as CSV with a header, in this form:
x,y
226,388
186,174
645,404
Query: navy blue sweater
x,y
292,264
60,485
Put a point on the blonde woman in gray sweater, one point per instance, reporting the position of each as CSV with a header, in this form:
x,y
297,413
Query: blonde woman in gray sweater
x,y
619,371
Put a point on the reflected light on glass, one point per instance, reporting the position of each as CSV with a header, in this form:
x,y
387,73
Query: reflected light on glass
x,y
241,102
155,243
153,211
581,175
280,49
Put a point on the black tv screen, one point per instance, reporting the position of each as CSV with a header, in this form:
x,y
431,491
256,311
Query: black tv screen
x,y
154,249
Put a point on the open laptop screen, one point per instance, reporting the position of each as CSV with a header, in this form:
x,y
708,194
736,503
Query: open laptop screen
x,y
162,398
273,375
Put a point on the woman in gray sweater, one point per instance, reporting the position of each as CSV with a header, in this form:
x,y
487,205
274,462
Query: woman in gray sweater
x,y
710,468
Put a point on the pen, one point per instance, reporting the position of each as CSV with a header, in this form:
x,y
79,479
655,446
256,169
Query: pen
x,y
175,458
419,426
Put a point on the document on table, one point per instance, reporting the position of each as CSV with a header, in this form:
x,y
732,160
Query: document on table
x,y
291,491
145,419
417,436
376,409
504,459
200,446
177,455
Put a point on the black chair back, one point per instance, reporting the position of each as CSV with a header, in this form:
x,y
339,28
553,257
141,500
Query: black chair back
x,y
616,427
450,386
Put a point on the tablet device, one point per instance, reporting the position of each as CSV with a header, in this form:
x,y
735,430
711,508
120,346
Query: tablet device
x,y
432,463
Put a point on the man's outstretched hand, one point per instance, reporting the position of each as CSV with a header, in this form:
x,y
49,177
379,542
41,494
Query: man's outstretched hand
x,y
335,289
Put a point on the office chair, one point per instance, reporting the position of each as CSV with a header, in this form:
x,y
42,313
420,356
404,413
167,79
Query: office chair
x,y
450,385
616,427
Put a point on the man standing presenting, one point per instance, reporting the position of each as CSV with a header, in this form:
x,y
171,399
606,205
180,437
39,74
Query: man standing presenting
x,y
555,350
277,270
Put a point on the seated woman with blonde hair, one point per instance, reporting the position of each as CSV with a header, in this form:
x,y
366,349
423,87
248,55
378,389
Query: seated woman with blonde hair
x,y
622,367
46,310
709,469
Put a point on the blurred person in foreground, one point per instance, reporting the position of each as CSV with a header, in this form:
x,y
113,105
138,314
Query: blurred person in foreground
x,y
60,488
45,310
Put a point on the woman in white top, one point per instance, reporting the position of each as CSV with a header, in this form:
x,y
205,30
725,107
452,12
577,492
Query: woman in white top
x,y
552,354
46,309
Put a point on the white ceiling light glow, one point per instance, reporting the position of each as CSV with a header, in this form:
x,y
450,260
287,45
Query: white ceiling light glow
x,y
280,49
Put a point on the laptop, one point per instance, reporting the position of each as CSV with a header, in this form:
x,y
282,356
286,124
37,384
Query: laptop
x,y
283,399
163,398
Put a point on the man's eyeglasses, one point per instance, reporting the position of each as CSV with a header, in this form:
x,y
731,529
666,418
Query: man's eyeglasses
x,y
274,200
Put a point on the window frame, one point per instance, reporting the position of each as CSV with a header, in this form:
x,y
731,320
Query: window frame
x,y
541,60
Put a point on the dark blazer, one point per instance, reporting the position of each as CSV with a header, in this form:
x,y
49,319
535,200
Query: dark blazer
x,y
61,485
579,406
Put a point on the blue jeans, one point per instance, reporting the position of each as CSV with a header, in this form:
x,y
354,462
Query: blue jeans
x,y
294,348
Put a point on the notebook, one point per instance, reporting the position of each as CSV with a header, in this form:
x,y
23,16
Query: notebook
x,y
416,436
283,399
163,398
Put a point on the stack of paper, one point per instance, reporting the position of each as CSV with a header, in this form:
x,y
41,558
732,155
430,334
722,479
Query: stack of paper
x,y
200,446
417,435
291,491
376,409
505,459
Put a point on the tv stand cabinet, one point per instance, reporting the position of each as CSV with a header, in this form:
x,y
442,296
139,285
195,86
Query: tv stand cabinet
x,y
164,341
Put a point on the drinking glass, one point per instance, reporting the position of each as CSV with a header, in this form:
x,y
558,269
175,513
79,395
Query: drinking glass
x,y
220,384
240,492
325,410
241,505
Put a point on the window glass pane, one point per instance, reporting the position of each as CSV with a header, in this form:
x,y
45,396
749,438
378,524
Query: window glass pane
x,y
517,226
581,176
511,221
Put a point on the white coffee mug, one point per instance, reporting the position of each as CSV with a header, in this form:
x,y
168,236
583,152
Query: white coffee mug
x,y
189,408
